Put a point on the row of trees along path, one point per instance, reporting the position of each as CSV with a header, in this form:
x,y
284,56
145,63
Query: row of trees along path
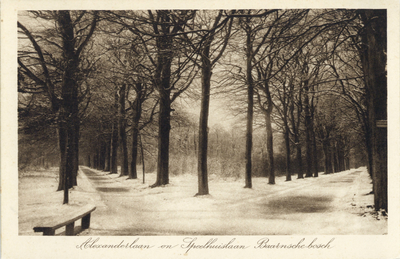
x,y
96,79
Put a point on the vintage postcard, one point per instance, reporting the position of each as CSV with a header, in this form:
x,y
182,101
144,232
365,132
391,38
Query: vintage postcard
x,y
200,129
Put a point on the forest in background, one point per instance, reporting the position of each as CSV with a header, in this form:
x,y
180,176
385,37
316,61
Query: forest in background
x,y
305,90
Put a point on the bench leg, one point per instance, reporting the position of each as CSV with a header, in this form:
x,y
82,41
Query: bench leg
x,y
49,232
69,229
86,221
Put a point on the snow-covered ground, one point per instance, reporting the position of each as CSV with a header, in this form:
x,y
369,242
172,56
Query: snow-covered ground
x,y
328,205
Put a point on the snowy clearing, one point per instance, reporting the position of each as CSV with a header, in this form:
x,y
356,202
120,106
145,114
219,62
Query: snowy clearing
x,y
337,203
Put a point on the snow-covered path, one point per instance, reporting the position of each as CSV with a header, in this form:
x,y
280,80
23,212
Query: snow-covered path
x,y
329,204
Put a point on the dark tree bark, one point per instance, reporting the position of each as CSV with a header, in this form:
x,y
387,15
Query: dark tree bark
x,y
336,157
267,108
295,123
270,146
327,156
368,145
114,139
136,115
163,72
308,131
122,130
164,118
164,27
164,43
314,138
315,155
76,137
95,157
101,154
107,152
250,108
89,161
347,163
164,127
340,154
69,101
333,156
323,131
288,161
373,57
134,152
63,144
142,155
299,159
207,63
286,102
66,101
203,125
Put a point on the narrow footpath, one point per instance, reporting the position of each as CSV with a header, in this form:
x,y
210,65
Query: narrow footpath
x,y
328,204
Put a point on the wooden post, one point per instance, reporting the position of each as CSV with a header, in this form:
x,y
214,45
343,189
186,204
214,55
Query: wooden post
x,y
69,229
86,221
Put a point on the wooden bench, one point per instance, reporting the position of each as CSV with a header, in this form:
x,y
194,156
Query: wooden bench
x,y
67,218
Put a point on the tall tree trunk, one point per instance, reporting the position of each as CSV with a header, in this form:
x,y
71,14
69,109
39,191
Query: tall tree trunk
x,y
88,161
164,117
63,145
299,161
71,154
69,104
164,128
333,154
341,155
142,155
250,107
347,163
203,124
327,154
295,123
114,138
308,129
102,154
136,114
336,158
114,150
297,145
95,157
325,149
107,153
206,70
368,145
287,109
270,149
373,57
74,180
203,138
288,162
268,125
315,156
122,131
134,152
163,84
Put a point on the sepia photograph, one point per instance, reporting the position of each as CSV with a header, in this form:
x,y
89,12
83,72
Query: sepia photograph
x,y
201,131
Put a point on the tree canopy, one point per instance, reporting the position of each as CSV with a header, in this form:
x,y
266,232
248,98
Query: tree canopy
x,y
116,89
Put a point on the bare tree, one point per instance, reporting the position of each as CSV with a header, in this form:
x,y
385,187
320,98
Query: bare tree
x,y
373,49
71,37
